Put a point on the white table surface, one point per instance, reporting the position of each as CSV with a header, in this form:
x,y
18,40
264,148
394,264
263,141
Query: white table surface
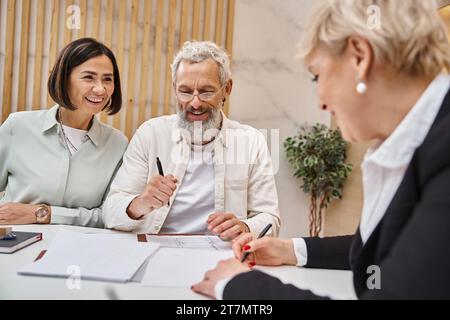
x,y
334,283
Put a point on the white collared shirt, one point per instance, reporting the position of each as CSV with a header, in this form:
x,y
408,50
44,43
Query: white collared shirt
x,y
244,182
384,165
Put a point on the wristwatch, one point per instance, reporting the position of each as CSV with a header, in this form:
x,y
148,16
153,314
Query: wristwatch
x,y
42,214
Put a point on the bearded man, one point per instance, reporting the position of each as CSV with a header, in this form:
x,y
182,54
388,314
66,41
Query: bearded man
x,y
219,178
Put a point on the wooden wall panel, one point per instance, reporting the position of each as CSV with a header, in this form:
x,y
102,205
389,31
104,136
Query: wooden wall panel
x,y
9,59
184,21
109,17
129,102
67,31
39,52
83,13
196,20
54,36
23,69
145,63
207,19
170,53
144,45
219,21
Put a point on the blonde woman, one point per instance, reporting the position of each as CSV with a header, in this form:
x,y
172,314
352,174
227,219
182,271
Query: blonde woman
x,y
389,83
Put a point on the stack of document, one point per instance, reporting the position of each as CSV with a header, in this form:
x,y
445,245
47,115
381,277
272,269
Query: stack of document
x,y
107,257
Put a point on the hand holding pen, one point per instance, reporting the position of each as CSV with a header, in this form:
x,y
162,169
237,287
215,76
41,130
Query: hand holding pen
x,y
262,234
267,251
156,194
161,172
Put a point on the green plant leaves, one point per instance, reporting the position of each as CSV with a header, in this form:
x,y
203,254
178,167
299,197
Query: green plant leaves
x,y
318,155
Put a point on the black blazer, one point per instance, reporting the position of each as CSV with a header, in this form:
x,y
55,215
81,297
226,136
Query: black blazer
x,y
411,244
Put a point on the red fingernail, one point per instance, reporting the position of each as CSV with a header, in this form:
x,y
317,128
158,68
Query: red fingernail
x,y
246,248
252,264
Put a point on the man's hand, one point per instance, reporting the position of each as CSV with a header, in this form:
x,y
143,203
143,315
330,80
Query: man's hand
x,y
224,269
155,195
226,225
18,213
266,251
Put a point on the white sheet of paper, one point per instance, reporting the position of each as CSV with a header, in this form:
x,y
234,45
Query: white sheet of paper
x,y
109,257
192,242
175,267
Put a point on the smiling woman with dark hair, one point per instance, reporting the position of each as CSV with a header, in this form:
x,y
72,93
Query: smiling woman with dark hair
x,y
56,165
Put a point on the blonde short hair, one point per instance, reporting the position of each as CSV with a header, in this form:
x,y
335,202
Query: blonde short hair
x,y
406,35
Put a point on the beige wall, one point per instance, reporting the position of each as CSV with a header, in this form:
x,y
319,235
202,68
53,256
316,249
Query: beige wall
x,y
342,217
272,91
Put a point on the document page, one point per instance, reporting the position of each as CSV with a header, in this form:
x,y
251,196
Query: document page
x,y
193,242
180,267
109,257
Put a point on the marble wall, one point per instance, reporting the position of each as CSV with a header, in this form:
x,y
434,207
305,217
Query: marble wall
x,y
273,91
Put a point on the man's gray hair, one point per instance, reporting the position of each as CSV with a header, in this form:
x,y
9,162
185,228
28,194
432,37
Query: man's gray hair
x,y
198,51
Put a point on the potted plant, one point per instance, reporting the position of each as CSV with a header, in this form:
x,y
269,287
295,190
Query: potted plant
x,y
317,155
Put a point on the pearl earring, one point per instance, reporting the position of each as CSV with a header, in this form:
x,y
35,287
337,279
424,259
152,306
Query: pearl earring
x,y
361,87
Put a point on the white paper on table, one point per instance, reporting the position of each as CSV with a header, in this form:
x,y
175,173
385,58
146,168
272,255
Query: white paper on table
x,y
175,267
109,257
192,242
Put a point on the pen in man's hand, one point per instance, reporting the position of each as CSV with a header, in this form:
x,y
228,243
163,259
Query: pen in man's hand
x,y
161,172
262,234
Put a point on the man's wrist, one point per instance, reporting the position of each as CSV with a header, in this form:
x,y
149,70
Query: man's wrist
x,y
130,212
133,212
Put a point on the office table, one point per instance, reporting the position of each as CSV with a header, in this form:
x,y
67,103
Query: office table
x,y
334,283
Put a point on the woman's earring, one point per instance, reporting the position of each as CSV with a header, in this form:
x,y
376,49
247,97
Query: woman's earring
x,y
361,87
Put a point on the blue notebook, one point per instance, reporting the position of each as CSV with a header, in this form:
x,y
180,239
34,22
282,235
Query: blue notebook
x,y
22,240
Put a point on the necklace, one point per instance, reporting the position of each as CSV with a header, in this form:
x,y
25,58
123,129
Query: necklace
x,y
66,139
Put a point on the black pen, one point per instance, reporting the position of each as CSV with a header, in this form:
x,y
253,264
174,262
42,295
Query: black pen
x,y
161,172
262,234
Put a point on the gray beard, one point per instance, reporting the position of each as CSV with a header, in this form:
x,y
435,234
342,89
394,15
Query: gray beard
x,y
201,132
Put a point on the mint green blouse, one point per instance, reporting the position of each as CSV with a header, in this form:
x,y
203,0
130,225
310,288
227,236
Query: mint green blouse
x,y
36,167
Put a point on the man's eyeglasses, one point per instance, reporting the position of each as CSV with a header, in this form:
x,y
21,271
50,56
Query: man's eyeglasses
x,y
204,96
